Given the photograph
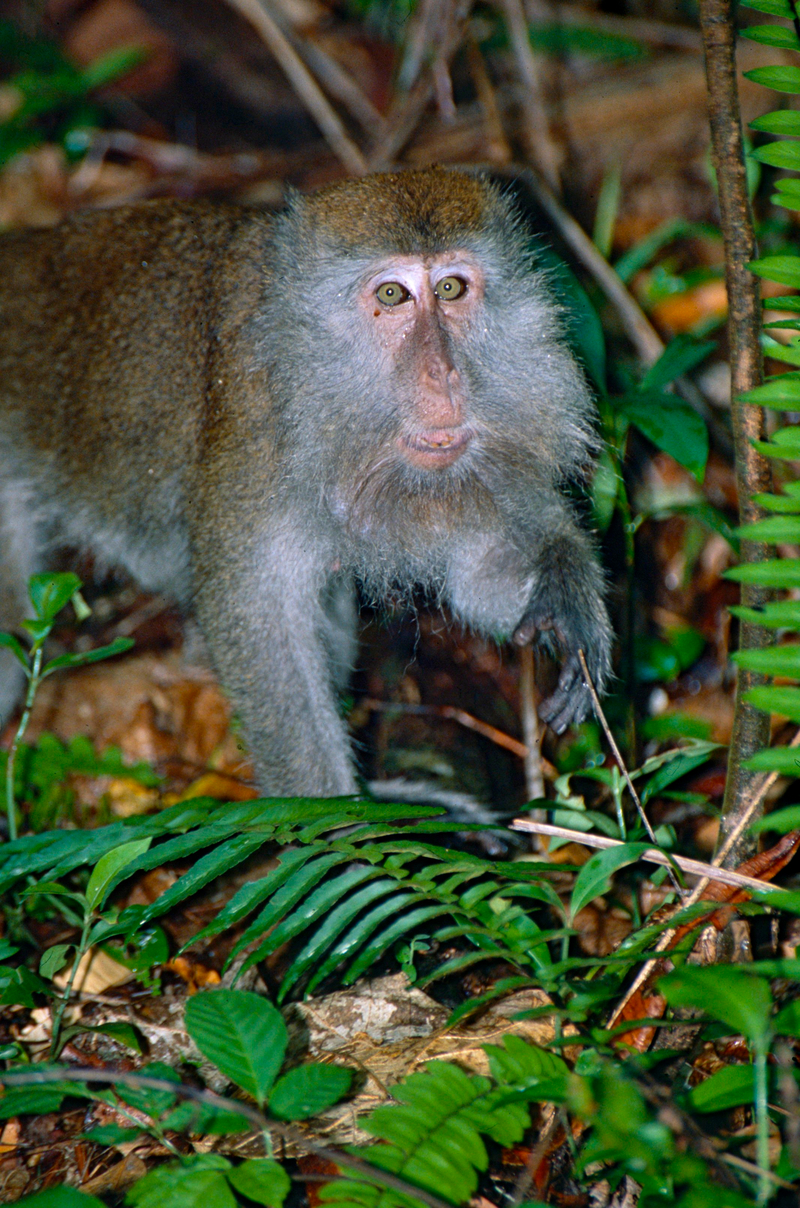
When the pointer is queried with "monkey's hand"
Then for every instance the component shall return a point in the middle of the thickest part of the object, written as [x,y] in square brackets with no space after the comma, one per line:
[578,621]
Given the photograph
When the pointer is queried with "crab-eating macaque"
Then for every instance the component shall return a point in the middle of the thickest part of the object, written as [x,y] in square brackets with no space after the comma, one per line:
[255,413]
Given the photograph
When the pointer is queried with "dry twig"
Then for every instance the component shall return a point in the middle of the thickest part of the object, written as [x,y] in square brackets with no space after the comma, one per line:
[538,141]
[695,868]
[303,82]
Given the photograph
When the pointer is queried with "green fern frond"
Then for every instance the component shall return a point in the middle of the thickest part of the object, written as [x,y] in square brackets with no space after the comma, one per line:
[433,1134]
[780,393]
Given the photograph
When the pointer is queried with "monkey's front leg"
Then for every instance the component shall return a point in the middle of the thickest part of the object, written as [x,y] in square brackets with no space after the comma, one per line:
[550,590]
[262,610]
[566,610]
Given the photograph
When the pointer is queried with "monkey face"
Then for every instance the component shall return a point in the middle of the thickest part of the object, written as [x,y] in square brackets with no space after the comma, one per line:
[415,309]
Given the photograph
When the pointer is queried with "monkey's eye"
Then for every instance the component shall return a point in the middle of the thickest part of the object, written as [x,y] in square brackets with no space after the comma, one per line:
[449,288]
[392,293]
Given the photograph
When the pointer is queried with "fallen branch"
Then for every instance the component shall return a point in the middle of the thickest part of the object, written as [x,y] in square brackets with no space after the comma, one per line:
[303,82]
[696,868]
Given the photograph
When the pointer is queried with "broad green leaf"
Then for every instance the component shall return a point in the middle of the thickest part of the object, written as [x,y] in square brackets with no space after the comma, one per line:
[111,1134]
[684,761]
[309,1089]
[787,1021]
[781,392]
[777,759]
[109,865]
[63,1196]
[593,878]
[774,572]
[772,529]
[775,660]
[783,269]
[49,593]
[728,1087]
[243,1034]
[18,986]
[671,424]
[775,8]
[772,35]
[82,658]
[725,992]
[17,649]
[780,79]
[776,351]
[149,1099]
[779,614]
[778,155]
[123,1032]
[780,121]
[777,503]
[784,701]
[197,1182]
[261,1180]
[189,1116]
[54,959]
[681,355]
[787,440]
[33,1100]
[788,819]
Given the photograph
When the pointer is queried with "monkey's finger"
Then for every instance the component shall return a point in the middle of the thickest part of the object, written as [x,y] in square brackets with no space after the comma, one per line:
[526,633]
[569,703]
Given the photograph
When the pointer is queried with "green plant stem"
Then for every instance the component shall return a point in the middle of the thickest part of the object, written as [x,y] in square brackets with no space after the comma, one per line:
[762,1124]
[58,1015]
[34,675]
[750,726]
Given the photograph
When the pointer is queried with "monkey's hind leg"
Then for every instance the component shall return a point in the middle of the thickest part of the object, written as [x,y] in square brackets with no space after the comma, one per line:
[19,549]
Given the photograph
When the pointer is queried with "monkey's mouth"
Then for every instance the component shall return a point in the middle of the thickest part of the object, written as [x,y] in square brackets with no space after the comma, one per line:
[435,447]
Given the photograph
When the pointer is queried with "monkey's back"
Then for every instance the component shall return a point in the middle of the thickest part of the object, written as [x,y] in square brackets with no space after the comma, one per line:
[106,322]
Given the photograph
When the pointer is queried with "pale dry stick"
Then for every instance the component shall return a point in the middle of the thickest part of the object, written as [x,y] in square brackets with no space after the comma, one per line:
[419,38]
[499,148]
[407,114]
[341,85]
[538,141]
[531,732]
[638,328]
[598,708]
[304,84]
[696,868]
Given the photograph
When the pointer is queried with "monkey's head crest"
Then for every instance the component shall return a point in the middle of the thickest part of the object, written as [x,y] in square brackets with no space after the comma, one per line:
[426,210]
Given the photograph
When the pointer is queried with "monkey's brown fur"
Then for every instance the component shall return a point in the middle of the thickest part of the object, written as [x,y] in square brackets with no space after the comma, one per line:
[238,410]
